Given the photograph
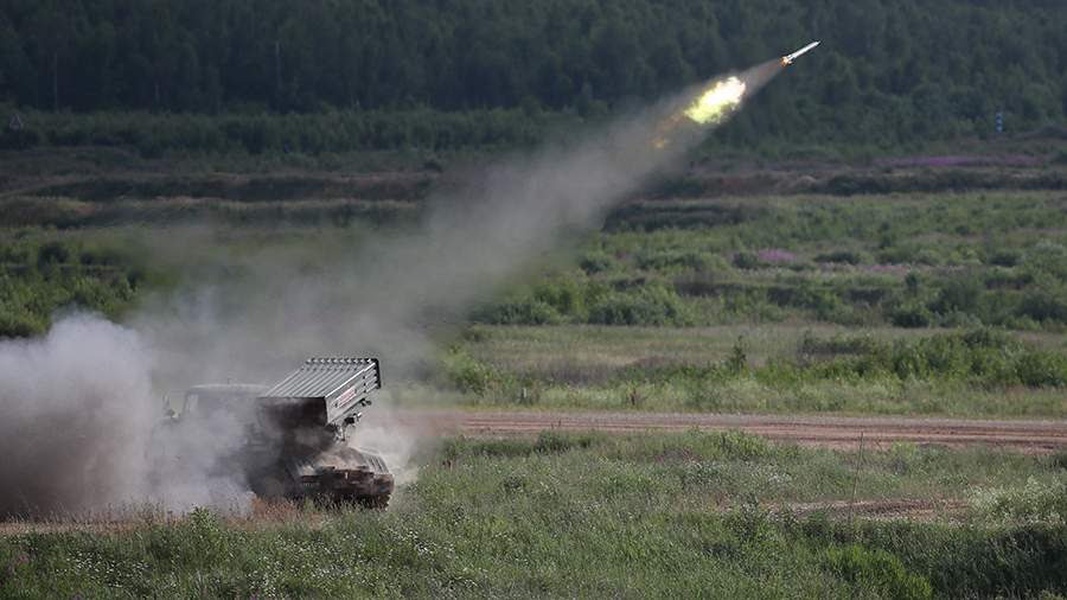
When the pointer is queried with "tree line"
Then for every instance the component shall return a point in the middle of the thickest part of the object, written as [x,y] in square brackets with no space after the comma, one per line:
[888,70]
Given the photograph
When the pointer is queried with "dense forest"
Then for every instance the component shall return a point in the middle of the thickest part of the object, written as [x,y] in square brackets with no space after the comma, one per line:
[887,71]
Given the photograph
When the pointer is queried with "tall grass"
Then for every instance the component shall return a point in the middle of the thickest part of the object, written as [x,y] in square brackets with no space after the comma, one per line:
[964,373]
[577,515]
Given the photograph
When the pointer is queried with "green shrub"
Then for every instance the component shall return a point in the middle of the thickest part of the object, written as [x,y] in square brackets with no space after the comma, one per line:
[529,311]
[1005,258]
[1042,369]
[747,261]
[52,253]
[40,276]
[468,375]
[911,315]
[596,262]
[565,295]
[846,257]
[1035,502]
[959,295]
[1043,306]
[1046,258]
[649,305]
[877,571]
[670,261]
[983,357]
[737,445]
[21,324]
[551,442]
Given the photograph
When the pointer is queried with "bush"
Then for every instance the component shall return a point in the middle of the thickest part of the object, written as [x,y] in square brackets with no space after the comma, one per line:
[52,253]
[982,357]
[846,257]
[958,295]
[1005,258]
[666,261]
[911,315]
[650,305]
[1042,369]
[565,296]
[529,311]
[1035,502]
[468,375]
[747,261]
[19,325]
[596,262]
[39,277]
[1043,306]
[877,571]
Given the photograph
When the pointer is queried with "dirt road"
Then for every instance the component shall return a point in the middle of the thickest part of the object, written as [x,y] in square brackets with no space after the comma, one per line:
[1035,437]
[829,431]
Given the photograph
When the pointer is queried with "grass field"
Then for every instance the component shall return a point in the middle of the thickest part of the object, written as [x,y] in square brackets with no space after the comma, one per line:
[722,514]
[762,368]
[789,303]
[896,247]
[906,260]
[886,291]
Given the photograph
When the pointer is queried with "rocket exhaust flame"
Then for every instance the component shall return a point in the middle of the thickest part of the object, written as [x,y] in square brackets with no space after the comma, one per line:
[717,102]
[711,105]
[719,99]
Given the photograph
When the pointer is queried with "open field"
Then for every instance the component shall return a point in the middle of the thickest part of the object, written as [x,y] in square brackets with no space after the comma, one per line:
[581,514]
[765,368]
[896,302]
[761,271]
[714,395]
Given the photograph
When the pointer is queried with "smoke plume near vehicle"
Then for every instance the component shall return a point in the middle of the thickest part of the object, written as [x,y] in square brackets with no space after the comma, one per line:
[74,418]
[77,406]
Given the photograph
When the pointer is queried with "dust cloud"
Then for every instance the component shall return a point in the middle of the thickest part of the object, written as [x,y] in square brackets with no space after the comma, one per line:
[79,406]
[77,411]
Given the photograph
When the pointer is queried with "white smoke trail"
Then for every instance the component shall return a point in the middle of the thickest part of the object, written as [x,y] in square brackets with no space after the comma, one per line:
[77,406]
[382,296]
